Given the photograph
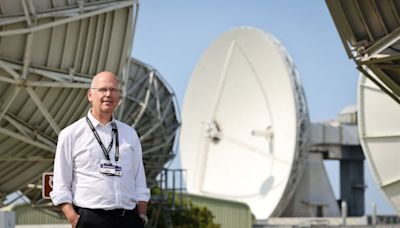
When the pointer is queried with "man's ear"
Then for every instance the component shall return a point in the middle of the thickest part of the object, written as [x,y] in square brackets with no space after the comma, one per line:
[89,95]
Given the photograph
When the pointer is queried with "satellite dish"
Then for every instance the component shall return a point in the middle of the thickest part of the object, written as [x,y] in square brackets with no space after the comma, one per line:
[244,121]
[150,106]
[48,55]
[380,138]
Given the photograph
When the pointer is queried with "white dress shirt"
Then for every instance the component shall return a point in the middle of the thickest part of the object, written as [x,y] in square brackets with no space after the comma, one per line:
[77,179]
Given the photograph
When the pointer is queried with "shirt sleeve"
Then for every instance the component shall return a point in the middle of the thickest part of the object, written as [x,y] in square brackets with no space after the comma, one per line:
[63,168]
[142,192]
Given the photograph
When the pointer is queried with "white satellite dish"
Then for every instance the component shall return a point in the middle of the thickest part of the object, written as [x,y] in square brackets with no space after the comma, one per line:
[243,123]
[379,130]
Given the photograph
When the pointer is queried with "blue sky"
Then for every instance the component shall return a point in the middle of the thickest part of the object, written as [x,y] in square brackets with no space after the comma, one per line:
[172,35]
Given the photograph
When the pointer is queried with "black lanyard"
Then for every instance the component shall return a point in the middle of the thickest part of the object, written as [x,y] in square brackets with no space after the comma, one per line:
[114,134]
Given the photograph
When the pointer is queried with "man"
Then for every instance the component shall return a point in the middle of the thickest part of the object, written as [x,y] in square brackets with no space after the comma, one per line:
[99,179]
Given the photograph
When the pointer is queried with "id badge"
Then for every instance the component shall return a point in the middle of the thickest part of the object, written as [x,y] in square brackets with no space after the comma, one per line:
[106,167]
[118,170]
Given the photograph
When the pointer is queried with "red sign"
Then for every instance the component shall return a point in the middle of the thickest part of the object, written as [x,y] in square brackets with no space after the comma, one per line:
[47,185]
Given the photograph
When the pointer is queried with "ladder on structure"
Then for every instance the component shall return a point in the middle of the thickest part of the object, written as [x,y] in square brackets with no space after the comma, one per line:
[168,199]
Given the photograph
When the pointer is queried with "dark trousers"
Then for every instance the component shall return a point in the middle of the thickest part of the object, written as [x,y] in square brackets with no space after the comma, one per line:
[97,218]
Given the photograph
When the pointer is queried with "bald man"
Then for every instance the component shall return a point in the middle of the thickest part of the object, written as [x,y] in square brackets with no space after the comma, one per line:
[99,179]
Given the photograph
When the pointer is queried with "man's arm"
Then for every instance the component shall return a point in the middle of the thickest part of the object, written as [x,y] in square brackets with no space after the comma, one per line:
[70,213]
[142,210]
[142,207]
[142,192]
[62,179]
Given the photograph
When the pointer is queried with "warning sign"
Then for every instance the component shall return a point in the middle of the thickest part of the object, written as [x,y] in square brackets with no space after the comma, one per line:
[47,183]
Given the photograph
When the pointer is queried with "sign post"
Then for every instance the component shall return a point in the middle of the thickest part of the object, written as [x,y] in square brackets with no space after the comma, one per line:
[47,184]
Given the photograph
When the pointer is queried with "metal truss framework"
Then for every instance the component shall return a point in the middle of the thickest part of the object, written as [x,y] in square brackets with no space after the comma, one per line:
[302,134]
[49,51]
[38,96]
[151,107]
[370,32]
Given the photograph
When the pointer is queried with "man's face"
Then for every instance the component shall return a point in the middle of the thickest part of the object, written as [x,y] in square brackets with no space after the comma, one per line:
[104,94]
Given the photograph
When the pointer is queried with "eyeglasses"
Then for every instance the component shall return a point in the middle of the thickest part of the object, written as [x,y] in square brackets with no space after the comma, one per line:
[104,90]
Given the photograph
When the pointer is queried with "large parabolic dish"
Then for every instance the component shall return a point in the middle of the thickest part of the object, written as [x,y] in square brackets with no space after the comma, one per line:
[379,130]
[49,51]
[150,106]
[244,123]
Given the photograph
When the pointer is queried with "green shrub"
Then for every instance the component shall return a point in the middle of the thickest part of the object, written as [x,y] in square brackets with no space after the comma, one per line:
[183,214]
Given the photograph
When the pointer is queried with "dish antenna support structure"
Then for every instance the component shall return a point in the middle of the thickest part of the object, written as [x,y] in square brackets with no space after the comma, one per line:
[370,35]
[49,52]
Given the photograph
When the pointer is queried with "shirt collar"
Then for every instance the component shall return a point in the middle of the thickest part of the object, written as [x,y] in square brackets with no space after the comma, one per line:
[95,122]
